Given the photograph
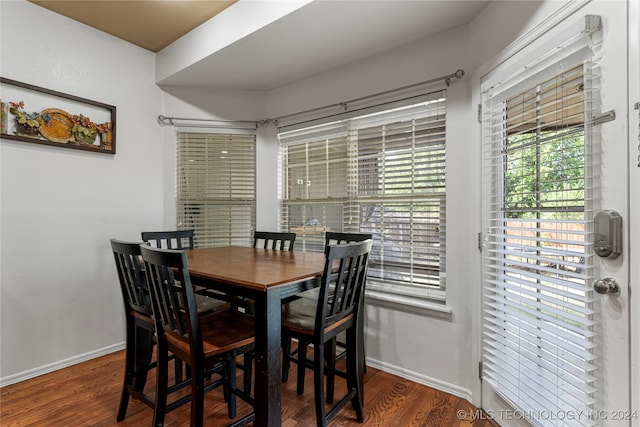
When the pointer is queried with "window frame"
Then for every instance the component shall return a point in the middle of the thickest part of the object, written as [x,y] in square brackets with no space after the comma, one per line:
[417,298]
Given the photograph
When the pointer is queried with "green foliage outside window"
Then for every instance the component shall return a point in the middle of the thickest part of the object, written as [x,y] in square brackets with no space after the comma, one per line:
[544,172]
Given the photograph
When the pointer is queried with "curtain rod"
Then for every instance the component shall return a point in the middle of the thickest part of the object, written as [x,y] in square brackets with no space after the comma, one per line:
[164,120]
[447,79]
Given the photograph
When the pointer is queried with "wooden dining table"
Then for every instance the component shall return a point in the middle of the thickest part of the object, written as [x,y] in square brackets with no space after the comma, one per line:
[266,276]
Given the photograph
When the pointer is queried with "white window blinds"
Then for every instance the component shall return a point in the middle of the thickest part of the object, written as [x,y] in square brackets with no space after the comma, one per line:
[539,336]
[382,174]
[215,187]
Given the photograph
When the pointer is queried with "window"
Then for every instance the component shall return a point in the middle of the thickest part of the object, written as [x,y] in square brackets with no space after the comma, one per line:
[216,187]
[383,174]
[539,338]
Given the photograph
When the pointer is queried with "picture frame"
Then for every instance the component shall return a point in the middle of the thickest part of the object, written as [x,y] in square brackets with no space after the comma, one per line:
[43,116]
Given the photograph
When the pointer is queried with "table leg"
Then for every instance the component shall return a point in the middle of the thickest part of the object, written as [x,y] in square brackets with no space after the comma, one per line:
[268,386]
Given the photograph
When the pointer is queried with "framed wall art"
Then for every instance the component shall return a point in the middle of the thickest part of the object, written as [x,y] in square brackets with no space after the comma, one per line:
[43,116]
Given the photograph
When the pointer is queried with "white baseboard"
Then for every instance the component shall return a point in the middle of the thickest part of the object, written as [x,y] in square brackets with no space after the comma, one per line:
[41,370]
[453,389]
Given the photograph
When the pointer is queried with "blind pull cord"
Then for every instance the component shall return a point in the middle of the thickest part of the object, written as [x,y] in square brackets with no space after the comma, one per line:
[637,107]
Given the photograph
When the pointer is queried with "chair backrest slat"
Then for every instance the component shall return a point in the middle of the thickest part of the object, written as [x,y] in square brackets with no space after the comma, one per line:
[274,240]
[174,239]
[344,277]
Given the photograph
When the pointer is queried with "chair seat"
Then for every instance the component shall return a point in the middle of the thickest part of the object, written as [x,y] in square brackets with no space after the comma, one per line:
[309,293]
[208,305]
[299,316]
[222,332]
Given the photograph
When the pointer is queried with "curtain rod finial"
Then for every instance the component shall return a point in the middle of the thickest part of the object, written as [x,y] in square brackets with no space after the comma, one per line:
[164,120]
[459,74]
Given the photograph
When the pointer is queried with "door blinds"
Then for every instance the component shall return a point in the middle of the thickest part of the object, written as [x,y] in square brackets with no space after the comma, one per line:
[539,328]
[215,187]
[382,174]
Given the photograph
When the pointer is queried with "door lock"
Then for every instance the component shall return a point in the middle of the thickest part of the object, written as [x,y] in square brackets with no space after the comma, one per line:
[606,286]
[608,234]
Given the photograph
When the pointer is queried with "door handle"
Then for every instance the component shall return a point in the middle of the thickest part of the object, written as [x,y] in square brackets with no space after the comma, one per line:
[606,286]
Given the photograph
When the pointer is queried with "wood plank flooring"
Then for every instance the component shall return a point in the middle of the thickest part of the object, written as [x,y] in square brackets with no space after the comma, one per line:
[88,394]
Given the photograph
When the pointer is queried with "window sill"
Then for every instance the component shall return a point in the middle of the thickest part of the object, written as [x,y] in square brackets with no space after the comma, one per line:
[433,306]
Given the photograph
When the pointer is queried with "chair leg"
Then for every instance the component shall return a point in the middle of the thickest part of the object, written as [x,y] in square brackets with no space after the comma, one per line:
[178,370]
[197,396]
[230,373]
[330,353]
[302,363]
[226,391]
[355,370]
[286,357]
[248,369]
[162,381]
[143,352]
[129,366]
[318,385]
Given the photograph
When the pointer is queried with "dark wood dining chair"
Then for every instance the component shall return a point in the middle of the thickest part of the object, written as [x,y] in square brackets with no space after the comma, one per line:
[207,344]
[270,240]
[335,237]
[138,322]
[139,326]
[170,239]
[207,301]
[274,240]
[331,237]
[317,321]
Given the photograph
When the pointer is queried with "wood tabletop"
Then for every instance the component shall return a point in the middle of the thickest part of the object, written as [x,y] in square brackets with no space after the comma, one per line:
[254,268]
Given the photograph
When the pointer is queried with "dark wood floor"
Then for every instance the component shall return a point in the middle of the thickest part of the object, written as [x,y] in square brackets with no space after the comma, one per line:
[88,394]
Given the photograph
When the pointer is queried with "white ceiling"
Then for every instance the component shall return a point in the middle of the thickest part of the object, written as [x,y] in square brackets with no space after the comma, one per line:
[320,36]
[316,37]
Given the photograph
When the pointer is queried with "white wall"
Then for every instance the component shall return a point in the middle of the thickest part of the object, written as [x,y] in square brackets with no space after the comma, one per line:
[428,349]
[60,301]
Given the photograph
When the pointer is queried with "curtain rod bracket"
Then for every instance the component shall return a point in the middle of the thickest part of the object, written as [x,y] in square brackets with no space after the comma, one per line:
[165,121]
[599,119]
[458,75]
[266,121]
